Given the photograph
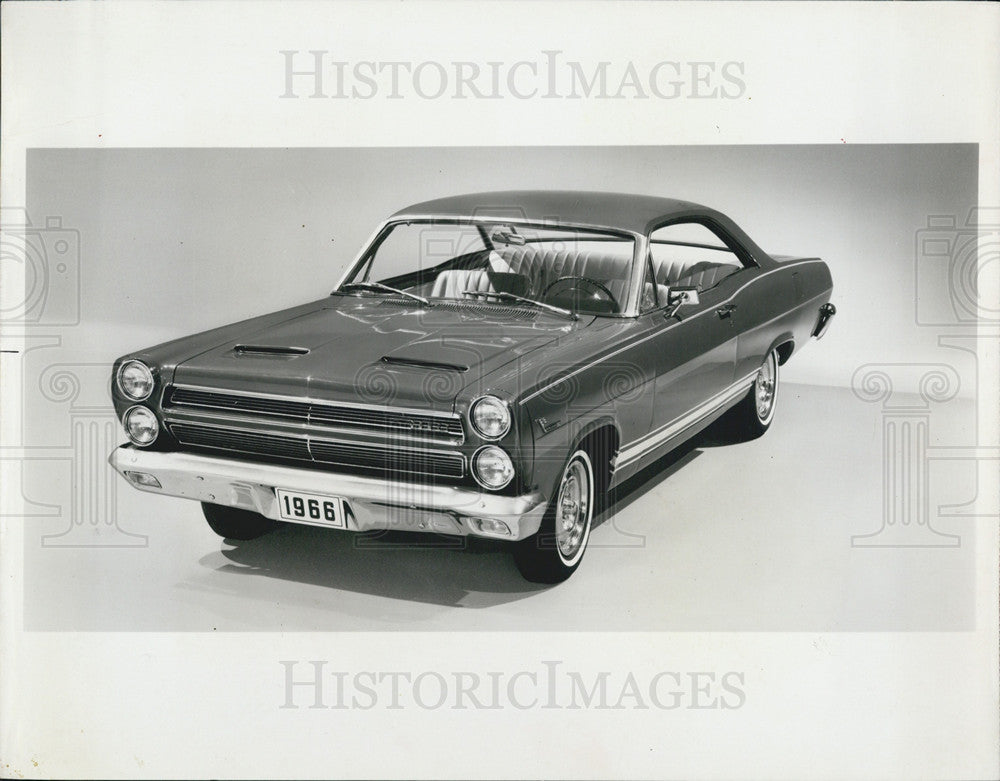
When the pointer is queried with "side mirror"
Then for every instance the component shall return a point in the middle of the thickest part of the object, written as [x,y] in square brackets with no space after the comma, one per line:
[678,297]
[684,295]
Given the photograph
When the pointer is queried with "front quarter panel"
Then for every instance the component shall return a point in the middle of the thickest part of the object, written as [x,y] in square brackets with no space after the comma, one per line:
[601,376]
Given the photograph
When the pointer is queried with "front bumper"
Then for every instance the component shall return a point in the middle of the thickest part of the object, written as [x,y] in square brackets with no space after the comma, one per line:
[371,503]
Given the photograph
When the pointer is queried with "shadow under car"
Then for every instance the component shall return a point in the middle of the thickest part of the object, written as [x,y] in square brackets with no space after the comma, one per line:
[429,568]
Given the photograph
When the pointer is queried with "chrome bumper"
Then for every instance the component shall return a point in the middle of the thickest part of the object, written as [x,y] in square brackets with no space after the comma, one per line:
[371,503]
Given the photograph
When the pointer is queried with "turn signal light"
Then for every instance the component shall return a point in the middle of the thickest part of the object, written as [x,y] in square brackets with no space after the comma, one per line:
[143,478]
[492,526]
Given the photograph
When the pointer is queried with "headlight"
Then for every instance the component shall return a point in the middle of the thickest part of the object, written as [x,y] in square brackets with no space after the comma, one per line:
[135,380]
[490,417]
[492,467]
[141,425]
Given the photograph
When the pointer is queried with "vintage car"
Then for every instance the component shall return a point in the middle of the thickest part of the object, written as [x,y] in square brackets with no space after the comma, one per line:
[490,364]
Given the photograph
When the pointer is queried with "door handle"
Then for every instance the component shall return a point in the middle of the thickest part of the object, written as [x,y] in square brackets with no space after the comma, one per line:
[725,310]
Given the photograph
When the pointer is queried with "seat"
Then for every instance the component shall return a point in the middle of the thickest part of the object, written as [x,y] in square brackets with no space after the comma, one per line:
[705,275]
[544,266]
[453,284]
[668,270]
[673,268]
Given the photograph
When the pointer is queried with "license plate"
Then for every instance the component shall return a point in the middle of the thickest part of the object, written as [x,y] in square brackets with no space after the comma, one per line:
[316,509]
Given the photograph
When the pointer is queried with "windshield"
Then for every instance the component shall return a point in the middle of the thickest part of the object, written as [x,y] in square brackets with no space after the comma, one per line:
[582,271]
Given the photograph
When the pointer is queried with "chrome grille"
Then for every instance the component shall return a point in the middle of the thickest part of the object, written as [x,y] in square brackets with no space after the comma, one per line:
[242,441]
[404,462]
[444,428]
[357,456]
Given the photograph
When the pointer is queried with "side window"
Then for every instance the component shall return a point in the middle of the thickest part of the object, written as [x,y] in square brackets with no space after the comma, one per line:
[691,254]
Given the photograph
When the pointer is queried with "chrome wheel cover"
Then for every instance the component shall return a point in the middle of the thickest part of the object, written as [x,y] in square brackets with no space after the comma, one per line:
[572,511]
[765,388]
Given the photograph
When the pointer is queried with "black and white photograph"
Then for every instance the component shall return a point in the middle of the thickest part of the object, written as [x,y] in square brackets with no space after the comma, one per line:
[550,390]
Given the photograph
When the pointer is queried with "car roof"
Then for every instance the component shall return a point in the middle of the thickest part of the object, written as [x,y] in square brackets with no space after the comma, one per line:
[625,211]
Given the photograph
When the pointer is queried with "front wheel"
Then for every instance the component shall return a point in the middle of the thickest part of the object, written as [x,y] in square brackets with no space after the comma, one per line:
[555,552]
[235,524]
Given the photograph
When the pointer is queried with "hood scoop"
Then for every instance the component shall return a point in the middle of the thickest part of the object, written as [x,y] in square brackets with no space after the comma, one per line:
[269,351]
[398,360]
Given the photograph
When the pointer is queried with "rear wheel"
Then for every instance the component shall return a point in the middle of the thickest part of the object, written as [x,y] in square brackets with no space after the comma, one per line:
[555,552]
[755,413]
[235,524]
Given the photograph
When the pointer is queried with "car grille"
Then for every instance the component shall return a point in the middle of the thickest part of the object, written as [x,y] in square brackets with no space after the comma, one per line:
[242,441]
[443,428]
[355,456]
[352,438]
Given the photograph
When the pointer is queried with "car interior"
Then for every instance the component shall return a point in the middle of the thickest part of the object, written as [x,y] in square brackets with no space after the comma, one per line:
[691,254]
[592,276]
[588,274]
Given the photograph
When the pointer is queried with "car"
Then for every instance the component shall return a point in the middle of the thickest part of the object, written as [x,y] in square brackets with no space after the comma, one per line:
[490,364]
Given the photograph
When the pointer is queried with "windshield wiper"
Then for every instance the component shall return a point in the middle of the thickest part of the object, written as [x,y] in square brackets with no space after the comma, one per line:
[385,289]
[558,310]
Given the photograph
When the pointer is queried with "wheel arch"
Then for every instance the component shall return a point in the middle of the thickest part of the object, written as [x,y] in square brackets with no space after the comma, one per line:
[600,439]
[784,345]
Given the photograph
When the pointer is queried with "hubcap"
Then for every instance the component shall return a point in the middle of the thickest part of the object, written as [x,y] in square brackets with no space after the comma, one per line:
[764,387]
[573,506]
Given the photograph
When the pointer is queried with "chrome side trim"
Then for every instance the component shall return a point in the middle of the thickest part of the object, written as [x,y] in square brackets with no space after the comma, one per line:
[642,446]
[659,332]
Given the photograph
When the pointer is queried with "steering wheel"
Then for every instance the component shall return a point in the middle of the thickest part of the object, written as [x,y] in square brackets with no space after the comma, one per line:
[588,286]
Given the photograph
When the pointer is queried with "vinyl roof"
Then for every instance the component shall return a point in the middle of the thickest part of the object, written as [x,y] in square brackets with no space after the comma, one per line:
[633,213]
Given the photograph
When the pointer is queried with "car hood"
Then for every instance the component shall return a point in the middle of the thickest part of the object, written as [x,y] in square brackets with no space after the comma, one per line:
[374,350]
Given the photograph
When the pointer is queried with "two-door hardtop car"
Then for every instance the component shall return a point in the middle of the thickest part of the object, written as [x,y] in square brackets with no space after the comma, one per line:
[490,364]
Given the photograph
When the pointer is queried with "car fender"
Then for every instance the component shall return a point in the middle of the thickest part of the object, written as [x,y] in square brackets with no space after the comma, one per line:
[783,338]
[554,447]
